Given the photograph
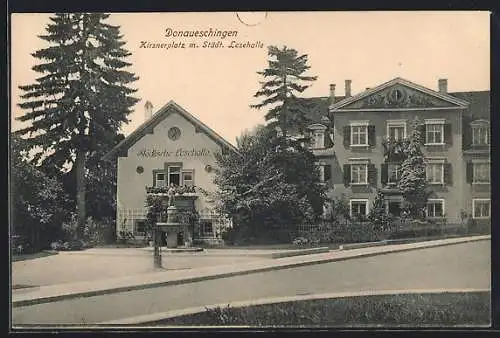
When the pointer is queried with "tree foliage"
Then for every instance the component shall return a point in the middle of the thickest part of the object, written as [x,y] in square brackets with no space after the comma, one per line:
[271,184]
[378,217]
[412,183]
[79,102]
[284,78]
[36,199]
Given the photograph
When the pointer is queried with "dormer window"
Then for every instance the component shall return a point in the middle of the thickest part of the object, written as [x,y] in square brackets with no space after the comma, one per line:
[319,139]
[480,133]
[318,136]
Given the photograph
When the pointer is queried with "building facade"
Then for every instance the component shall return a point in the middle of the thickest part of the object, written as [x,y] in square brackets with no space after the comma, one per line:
[171,148]
[456,137]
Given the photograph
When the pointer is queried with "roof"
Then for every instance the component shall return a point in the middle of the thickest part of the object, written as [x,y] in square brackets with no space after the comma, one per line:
[398,80]
[317,108]
[479,102]
[159,116]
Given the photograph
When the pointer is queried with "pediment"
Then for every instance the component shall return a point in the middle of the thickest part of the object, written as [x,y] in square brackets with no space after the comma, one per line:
[399,94]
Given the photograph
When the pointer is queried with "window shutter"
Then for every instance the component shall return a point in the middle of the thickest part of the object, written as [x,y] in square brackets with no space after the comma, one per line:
[384,172]
[347,136]
[423,133]
[469,172]
[371,136]
[347,174]
[328,172]
[466,133]
[372,174]
[448,179]
[448,135]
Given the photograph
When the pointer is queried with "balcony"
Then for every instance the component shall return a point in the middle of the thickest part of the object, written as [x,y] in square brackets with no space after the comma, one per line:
[185,191]
[394,150]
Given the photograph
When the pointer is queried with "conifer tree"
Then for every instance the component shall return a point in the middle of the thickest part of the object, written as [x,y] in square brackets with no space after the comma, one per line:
[284,78]
[412,183]
[81,99]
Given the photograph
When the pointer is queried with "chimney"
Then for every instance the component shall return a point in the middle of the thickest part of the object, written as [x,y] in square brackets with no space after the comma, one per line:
[148,110]
[347,88]
[443,85]
[332,93]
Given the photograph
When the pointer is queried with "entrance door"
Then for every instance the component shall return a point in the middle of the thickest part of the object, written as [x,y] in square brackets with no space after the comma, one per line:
[394,208]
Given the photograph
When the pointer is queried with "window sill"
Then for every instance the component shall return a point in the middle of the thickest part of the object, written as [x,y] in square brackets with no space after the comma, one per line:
[359,145]
[436,183]
[481,217]
[359,184]
[434,144]
[481,183]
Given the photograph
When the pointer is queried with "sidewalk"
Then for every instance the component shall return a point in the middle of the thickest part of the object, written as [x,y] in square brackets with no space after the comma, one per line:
[163,278]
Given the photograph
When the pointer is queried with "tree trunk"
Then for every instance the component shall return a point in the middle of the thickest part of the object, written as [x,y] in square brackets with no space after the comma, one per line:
[80,191]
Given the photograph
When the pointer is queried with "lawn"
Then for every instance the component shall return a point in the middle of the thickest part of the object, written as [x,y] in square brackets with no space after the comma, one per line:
[403,310]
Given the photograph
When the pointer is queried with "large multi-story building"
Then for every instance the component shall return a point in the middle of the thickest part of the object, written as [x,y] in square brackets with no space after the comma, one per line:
[358,162]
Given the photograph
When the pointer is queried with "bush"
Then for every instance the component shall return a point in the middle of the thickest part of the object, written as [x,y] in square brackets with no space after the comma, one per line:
[98,232]
[20,245]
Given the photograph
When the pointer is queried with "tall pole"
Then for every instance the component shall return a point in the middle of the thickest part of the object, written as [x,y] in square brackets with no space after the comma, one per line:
[157,244]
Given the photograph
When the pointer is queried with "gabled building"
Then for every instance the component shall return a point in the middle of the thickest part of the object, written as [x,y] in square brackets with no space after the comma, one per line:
[456,147]
[351,136]
[171,147]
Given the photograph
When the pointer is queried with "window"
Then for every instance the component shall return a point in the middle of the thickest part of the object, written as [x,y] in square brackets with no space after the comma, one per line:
[318,139]
[160,180]
[321,170]
[435,208]
[188,178]
[481,172]
[393,173]
[359,134]
[481,208]
[358,208]
[435,173]
[206,227]
[396,130]
[359,173]
[140,226]
[174,175]
[480,135]
[434,133]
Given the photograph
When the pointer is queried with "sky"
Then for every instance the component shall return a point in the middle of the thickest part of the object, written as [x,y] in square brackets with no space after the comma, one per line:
[217,84]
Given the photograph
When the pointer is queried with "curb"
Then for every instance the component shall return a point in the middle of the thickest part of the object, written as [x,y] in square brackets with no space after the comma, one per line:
[48,299]
[300,252]
[154,317]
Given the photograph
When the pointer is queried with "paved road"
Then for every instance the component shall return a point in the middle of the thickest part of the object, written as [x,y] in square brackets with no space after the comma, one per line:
[457,266]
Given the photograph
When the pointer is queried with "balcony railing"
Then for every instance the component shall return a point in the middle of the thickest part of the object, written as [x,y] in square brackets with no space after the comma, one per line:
[176,190]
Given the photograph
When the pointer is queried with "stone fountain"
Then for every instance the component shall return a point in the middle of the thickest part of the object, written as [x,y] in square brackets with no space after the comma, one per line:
[173,227]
